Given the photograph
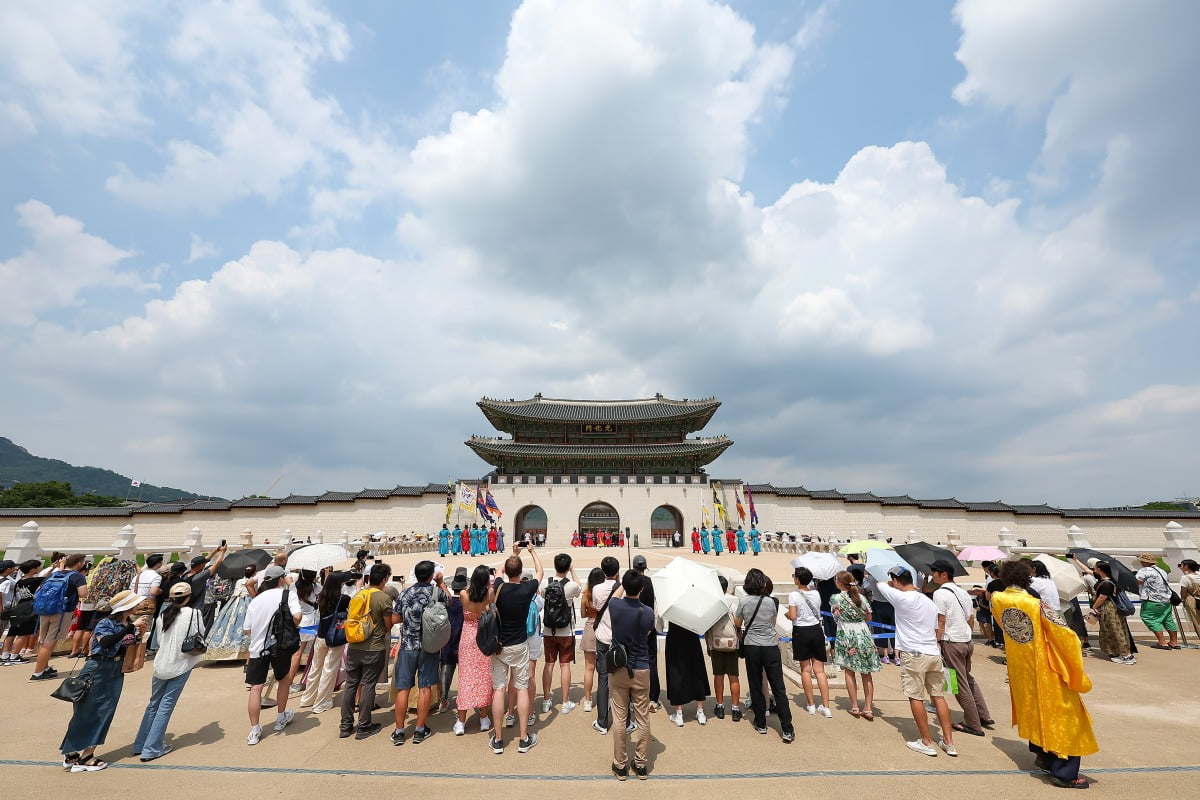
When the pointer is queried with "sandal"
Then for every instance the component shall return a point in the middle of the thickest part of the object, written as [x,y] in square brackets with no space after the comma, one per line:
[868,716]
[988,723]
[856,712]
[959,727]
[1078,783]
[89,764]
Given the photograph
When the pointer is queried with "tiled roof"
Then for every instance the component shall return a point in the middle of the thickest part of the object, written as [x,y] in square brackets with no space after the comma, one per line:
[762,488]
[299,500]
[825,494]
[898,500]
[860,497]
[987,506]
[948,502]
[337,497]
[791,491]
[373,494]
[208,505]
[1128,513]
[257,502]
[159,508]
[410,491]
[495,446]
[1042,509]
[101,511]
[653,408]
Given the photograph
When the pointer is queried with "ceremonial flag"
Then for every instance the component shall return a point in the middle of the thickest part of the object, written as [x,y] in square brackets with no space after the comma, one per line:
[466,497]
[449,499]
[135,483]
[704,511]
[750,502]
[719,506]
[481,503]
[741,509]
[491,505]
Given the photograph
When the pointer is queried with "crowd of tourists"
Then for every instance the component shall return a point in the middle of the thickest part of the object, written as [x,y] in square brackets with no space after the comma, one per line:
[471,644]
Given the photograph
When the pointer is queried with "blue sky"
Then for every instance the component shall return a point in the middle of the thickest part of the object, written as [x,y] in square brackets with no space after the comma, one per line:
[937,248]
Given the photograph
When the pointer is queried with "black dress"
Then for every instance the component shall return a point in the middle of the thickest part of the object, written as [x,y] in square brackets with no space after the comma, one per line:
[687,677]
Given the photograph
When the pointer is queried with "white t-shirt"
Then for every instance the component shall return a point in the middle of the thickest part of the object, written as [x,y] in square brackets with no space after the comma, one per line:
[145,582]
[804,611]
[572,590]
[916,620]
[954,604]
[603,625]
[170,661]
[260,612]
[1048,591]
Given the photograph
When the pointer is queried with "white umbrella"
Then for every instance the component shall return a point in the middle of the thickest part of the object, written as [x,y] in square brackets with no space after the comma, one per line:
[316,557]
[688,594]
[1064,575]
[823,566]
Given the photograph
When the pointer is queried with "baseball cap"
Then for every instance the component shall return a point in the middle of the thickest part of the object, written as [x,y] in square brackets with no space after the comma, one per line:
[181,589]
[898,571]
[639,563]
[273,571]
[198,560]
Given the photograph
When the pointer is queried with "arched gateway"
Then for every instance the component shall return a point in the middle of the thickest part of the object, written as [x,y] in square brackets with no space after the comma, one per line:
[530,519]
[598,517]
[664,522]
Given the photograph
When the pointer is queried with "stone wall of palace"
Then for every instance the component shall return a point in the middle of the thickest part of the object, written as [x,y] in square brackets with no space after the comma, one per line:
[401,516]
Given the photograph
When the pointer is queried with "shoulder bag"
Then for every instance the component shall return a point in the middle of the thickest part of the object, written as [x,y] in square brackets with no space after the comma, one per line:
[1175,598]
[617,656]
[194,643]
[741,649]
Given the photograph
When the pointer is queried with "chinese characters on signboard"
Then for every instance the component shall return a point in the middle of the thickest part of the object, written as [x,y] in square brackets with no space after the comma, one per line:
[598,428]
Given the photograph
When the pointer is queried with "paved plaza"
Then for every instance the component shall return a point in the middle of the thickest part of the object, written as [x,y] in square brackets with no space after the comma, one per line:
[1145,720]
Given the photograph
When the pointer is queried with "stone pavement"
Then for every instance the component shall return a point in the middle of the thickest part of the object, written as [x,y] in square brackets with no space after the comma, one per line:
[1145,718]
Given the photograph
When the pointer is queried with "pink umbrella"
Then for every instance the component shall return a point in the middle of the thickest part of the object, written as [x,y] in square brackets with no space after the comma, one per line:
[981,552]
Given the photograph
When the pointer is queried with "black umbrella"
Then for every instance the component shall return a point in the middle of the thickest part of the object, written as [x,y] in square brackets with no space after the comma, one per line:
[234,565]
[922,555]
[1122,574]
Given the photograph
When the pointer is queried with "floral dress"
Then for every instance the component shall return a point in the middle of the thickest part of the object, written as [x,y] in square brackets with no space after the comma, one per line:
[474,668]
[853,649]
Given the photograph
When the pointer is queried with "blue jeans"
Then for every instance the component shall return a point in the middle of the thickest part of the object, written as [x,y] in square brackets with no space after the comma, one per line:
[164,694]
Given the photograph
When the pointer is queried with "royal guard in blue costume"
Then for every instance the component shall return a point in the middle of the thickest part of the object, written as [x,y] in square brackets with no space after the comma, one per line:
[443,542]
[456,540]
[741,541]
[704,541]
[755,541]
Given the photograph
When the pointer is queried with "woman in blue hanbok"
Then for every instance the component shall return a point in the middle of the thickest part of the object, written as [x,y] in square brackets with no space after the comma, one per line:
[741,541]
[443,542]
[755,541]
[227,641]
[704,541]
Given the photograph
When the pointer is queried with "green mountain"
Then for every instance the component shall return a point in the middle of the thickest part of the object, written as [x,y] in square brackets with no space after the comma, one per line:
[19,465]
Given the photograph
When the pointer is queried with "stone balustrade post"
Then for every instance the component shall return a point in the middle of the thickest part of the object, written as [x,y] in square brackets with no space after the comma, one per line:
[912,537]
[953,540]
[25,544]
[344,540]
[1076,538]
[319,536]
[1179,545]
[247,539]
[126,544]
[1008,541]
[285,541]
[193,543]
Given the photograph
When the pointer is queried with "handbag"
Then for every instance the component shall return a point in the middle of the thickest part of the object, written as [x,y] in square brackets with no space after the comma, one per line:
[617,656]
[73,689]
[741,648]
[193,642]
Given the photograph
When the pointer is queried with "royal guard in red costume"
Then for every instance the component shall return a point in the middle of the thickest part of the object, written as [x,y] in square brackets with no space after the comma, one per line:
[731,540]
[606,538]
[695,540]
[466,540]
[620,538]
[574,538]
[492,539]
[591,538]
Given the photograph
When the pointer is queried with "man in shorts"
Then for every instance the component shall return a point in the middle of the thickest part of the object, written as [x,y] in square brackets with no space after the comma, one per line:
[921,675]
[413,665]
[512,662]
[52,627]
[259,615]
[559,643]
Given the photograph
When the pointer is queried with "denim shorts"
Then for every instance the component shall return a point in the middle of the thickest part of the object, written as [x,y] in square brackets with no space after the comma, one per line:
[416,666]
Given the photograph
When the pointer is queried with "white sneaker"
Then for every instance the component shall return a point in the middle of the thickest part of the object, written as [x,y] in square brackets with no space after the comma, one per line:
[485,724]
[567,707]
[510,720]
[587,704]
[459,728]
[703,720]
[948,748]
[547,705]
[284,719]
[812,710]
[825,712]
[920,747]
[254,735]
[677,718]
[532,719]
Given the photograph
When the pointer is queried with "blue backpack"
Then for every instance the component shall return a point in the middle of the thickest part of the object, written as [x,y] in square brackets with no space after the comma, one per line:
[533,623]
[51,597]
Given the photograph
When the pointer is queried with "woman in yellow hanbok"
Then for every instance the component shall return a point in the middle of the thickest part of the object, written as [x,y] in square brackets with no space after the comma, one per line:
[1046,678]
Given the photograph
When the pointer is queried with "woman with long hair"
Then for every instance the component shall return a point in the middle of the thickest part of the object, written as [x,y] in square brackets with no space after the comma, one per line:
[755,617]
[228,641]
[853,649]
[307,590]
[587,610]
[92,716]
[808,640]
[474,668]
[172,668]
[326,660]
[1114,630]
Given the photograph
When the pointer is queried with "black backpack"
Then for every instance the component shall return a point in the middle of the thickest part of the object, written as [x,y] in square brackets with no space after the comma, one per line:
[487,637]
[558,612]
[283,638]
